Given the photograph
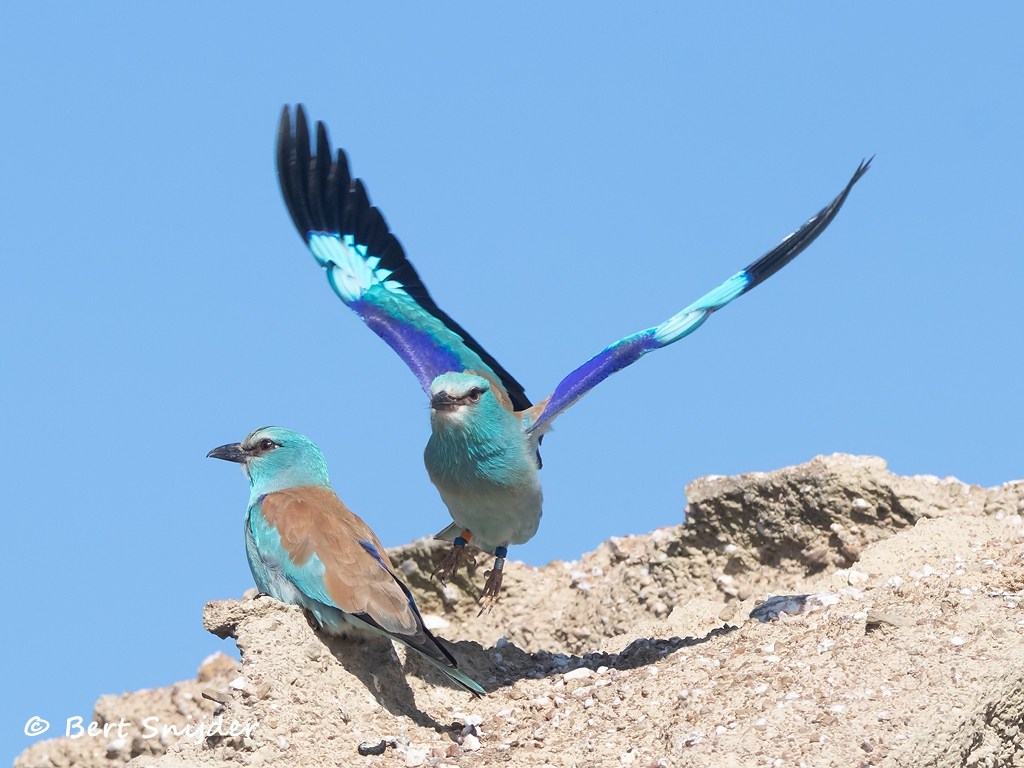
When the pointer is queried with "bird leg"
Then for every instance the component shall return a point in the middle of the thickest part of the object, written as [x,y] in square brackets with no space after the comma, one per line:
[456,557]
[492,588]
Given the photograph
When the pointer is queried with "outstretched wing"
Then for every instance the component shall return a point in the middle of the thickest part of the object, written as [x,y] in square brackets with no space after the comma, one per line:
[365,263]
[632,348]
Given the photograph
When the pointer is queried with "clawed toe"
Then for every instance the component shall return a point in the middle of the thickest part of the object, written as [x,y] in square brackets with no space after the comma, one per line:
[492,588]
[455,558]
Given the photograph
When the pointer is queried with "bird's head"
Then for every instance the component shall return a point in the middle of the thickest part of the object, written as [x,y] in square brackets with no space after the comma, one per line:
[274,458]
[457,397]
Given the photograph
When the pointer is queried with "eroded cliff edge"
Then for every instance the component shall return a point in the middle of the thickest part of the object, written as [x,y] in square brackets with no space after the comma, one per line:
[641,652]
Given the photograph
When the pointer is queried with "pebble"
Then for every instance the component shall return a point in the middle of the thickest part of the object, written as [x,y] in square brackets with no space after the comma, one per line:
[877,617]
[430,621]
[471,743]
[577,674]
[774,607]
[856,577]
[415,757]
[365,748]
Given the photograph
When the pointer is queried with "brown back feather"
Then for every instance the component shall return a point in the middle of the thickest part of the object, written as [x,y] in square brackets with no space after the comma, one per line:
[313,520]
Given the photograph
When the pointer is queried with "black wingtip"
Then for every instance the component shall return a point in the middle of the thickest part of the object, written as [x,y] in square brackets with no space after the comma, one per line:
[793,245]
[290,164]
[861,170]
[321,196]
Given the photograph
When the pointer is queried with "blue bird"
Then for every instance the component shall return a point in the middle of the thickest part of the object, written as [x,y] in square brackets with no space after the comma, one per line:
[306,548]
[483,453]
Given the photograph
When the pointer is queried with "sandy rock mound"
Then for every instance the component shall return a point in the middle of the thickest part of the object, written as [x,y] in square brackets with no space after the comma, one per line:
[745,536]
[905,648]
[174,708]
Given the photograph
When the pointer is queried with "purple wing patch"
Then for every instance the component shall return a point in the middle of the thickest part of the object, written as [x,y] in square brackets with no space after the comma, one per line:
[632,348]
[595,370]
[416,346]
[372,550]
[367,266]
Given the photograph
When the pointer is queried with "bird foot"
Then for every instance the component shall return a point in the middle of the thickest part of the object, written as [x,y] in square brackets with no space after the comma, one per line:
[455,558]
[492,588]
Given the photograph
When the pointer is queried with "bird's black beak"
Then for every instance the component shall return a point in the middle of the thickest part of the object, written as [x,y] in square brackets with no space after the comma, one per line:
[230,452]
[442,401]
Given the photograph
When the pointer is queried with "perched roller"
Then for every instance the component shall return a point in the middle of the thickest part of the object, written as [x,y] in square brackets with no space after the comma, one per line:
[485,433]
[306,548]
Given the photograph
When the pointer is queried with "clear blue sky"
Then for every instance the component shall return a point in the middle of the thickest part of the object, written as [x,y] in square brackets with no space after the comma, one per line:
[561,176]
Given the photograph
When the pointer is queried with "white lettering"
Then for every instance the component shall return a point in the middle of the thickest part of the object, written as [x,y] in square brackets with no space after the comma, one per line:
[169,730]
[149,727]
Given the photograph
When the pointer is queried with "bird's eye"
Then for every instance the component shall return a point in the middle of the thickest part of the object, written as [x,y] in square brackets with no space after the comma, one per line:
[474,395]
[266,444]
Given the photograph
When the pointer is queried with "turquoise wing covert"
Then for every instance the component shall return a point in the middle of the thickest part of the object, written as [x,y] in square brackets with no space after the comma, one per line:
[627,351]
[366,265]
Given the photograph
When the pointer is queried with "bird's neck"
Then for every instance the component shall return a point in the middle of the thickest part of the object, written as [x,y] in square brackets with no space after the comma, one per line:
[261,484]
[492,450]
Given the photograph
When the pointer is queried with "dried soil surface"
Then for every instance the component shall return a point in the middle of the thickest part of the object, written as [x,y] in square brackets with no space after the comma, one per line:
[903,646]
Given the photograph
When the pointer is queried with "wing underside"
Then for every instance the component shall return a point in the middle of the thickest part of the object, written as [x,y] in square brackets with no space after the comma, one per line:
[630,349]
[366,265]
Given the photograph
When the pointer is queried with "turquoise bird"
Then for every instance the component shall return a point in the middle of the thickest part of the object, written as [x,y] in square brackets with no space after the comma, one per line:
[306,548]
[483,453]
